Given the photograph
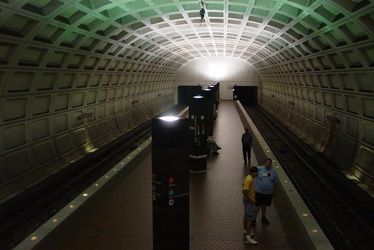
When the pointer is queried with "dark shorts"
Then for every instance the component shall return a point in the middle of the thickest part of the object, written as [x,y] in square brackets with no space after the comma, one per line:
[263,199]
[249,210]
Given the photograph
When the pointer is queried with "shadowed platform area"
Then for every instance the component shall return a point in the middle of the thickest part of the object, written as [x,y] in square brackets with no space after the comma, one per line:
[122,218]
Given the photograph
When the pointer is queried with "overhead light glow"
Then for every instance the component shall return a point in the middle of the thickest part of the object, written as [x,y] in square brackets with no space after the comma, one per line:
[169,118]
[217,71]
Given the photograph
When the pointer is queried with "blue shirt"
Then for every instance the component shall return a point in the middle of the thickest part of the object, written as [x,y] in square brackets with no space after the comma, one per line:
[265,180]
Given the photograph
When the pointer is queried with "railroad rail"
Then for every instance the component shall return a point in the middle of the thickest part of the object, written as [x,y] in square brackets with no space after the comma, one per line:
[23,215]
[344,211]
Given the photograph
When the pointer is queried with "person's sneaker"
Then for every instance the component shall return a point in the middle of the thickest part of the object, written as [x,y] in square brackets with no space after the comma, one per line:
[244,235]
[265,221]
[250,241]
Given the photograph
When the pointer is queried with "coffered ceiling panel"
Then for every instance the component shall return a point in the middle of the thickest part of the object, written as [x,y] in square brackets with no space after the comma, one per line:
[173,32]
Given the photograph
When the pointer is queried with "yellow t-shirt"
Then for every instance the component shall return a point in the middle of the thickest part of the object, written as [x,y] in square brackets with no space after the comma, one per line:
[249,184]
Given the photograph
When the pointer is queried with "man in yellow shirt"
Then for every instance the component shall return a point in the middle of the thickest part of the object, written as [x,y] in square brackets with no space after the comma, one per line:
[249,204]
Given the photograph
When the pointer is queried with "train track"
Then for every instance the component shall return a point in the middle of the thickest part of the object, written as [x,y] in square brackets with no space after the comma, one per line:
[24,218]
[20,217]
[343,210]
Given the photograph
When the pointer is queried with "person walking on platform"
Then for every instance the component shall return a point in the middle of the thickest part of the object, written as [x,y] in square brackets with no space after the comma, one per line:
[246,145]
[249,205]
[266,183]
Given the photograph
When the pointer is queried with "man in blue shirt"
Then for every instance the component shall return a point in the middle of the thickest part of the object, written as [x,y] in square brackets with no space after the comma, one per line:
[266,181]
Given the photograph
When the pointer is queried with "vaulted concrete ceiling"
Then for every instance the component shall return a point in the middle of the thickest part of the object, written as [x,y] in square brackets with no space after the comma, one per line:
[97,34]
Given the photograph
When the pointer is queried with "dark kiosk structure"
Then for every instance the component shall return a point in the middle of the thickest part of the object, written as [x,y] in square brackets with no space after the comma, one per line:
[170,182]
[198,114]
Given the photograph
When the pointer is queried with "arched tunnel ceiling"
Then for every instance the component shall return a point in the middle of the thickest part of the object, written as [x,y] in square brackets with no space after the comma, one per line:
[171,32]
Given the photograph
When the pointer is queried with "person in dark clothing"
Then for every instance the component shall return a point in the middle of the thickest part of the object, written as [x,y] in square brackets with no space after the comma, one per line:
[212,145]
[246,145]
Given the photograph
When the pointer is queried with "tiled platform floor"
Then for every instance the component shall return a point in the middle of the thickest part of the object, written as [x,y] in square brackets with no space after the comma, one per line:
[123,219]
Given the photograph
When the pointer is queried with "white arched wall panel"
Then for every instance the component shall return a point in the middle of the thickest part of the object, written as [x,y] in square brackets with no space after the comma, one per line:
[40,112]
[336,118]
[227,71]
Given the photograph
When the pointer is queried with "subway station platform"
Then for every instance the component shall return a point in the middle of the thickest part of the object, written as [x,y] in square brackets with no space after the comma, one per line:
[121,216]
